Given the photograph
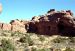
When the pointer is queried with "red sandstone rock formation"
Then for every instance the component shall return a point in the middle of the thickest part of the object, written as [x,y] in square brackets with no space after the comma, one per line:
[19,26]
[54,22]
[6,27]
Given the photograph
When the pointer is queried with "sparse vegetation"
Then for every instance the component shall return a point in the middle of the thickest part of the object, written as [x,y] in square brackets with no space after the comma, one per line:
[6,45]
[16,33]
[68,49]
[33,49]
[30,41]
[26,39]
[59,40]
[72,40]
[44,49]
[41,38]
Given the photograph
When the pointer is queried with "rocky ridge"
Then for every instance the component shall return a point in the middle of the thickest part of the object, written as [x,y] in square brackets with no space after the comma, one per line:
[54,22]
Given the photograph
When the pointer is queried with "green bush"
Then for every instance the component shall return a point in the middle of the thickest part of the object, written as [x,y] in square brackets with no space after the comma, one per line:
[6,45]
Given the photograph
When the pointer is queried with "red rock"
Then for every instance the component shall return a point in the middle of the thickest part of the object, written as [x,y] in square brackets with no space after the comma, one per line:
[54,23]
[19,28]
[6,27]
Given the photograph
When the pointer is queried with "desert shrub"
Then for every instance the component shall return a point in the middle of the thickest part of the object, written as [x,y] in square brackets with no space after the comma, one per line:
[16,33]
[30,34]
[6,45]
[57,49]
[1,49]
[4,34]
[26,39]
[59,40]
[33,49]
[72,40]
[8,31]
[68,49]
[27,49]
[41,38]
[44,49]
[23,39]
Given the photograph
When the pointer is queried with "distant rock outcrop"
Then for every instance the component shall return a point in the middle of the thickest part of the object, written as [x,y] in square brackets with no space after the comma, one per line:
[52,23]
[17,25]
[6,26]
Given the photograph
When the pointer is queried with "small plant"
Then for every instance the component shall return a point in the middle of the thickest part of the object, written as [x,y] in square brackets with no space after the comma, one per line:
[41,38]
[72,40]
[58,40]
[44,49]
[57,49]
[4,34]
[16,33]
[68,49]
[33,49]
[6,45]
[1,49]
[26,39]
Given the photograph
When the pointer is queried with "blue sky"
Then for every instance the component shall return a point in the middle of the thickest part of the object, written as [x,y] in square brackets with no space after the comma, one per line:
[26,9]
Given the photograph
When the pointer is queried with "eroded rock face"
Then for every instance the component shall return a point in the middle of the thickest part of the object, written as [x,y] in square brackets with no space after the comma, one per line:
[55,22]
[6,27]
[16,25]
[19,26]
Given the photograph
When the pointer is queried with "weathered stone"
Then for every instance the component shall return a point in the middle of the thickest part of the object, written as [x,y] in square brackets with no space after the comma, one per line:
[24,22]
[15,22]
[54,23]
[19,28]
[36,19]
[32,27]
[6,27]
